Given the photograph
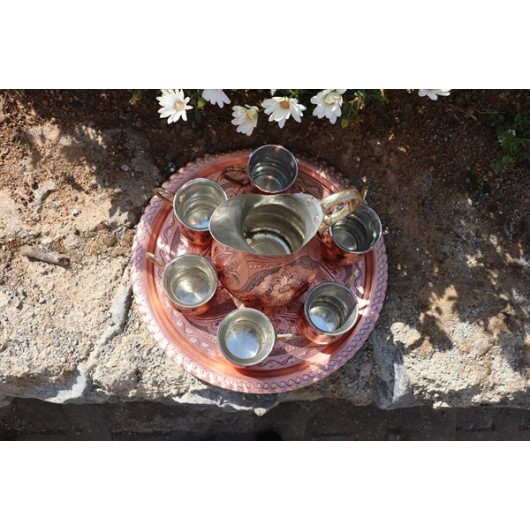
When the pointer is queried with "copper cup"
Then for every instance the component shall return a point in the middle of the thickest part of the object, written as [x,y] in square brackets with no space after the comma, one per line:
[246,337]
[349,239]
[329,312]
[271,169]
[193,205]
[189,281]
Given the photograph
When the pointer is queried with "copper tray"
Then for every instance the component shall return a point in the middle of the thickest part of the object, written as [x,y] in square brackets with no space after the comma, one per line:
[191,342]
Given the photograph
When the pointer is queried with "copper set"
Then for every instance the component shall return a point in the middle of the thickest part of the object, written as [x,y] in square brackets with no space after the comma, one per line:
[266,247]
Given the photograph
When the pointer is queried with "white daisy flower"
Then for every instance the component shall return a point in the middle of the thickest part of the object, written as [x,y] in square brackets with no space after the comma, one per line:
[328,103]
[281,109]
[174,105]
[433,93]
[246,118]
[215,97]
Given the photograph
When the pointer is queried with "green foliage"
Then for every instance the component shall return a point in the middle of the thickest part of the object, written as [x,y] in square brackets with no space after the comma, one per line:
[513,133]
[356,100]
[137,96]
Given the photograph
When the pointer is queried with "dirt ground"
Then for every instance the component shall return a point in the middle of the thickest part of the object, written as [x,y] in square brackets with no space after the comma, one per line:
[450,139]
[436,136]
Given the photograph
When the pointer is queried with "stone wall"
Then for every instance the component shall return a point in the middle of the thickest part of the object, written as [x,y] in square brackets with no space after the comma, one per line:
[454,330]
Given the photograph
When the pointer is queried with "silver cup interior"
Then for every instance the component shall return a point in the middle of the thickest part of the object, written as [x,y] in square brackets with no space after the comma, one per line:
[359,232]
[196,201]
[245,337]
[190,281]
[274,229]
[272,168]
[331,308]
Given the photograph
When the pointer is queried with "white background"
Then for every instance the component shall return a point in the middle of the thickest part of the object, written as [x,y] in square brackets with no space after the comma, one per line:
[332,485]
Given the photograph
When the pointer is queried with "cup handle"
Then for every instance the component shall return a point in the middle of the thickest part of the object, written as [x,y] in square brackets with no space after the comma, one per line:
[157,261]
[288,336]
[363,305]
[233,180]
[353,276]
[165,195]
[351,198]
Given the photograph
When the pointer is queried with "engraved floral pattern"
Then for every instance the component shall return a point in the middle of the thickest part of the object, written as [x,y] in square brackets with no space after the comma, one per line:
[283,283]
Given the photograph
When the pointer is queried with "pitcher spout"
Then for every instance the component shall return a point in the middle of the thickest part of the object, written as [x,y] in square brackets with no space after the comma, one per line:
[267,225]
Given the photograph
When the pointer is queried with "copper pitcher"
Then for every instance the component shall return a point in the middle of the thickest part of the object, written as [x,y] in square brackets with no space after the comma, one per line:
[266,248]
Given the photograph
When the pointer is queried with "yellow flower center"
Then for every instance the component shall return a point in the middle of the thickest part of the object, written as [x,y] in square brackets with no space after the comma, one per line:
[285,104]
[180,105]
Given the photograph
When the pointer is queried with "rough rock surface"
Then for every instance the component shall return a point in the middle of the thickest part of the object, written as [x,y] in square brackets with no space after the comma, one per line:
[455,327]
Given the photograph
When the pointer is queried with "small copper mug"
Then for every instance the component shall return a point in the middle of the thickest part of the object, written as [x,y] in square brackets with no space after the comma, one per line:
[189,281]
[329,312]
[349,239]
[271,169]
[246,337]
[193,205]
